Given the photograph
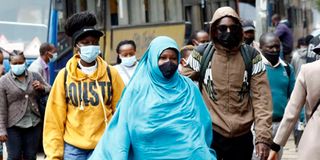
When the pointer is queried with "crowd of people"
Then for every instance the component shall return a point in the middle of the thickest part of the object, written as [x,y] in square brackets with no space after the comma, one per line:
[223,96]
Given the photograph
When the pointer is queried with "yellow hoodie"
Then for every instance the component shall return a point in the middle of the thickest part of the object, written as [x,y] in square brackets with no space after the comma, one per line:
[74,112]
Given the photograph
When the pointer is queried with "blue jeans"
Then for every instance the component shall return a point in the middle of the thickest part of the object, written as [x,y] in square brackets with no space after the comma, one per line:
[72,152]
[23,142]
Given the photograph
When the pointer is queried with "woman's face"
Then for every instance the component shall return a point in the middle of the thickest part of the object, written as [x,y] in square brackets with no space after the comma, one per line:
[127,50]
[18,59]
[168,55]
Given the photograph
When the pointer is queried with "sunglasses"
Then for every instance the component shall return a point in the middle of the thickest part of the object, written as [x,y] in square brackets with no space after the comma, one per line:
[232,28]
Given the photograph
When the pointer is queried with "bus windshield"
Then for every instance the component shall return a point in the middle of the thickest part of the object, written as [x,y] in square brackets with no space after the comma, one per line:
[24,25]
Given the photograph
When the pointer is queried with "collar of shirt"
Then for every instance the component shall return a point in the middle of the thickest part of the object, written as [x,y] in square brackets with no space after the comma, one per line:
[43,63]
[266,62]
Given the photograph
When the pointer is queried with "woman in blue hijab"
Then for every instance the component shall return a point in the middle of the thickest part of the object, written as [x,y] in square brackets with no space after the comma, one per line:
[161,114]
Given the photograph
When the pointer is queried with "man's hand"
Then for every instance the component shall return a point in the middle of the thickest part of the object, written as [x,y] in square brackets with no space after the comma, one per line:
[3,138]
[262,151]
[273,155]
[37,85]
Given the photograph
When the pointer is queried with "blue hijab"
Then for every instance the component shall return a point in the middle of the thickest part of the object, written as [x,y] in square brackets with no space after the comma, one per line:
[158,118]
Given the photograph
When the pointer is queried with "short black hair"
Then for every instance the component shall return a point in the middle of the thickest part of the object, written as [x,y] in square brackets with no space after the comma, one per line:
[276,17]
[264,37]
[124,42]
[16,53]
[308,39]
[301,42]
[194,36]
[44,48]
[78,21]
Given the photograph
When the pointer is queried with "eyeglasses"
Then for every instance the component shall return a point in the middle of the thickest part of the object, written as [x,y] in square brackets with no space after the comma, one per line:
[224,28]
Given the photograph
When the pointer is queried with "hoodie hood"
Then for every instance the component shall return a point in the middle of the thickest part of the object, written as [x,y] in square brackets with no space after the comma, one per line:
[77,75]
[224,12]
[218,15]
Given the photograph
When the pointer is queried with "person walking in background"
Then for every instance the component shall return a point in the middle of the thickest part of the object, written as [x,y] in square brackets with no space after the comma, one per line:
[127,60]
[306,92]
[183,68]
[285,35]
[20,122]
[48,53]
[299,56]
[83,97]
[163,122]
[280,75]
[249,33]
[235,88]
[198,38]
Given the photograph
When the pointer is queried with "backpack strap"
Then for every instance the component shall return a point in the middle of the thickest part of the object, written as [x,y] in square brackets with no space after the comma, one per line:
[288,71]
[65,75]
[207,53]
[315,108]
[287,67]
[110,79]
[247,54]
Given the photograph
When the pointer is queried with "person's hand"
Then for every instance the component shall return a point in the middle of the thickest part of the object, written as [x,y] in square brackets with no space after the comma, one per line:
[262,151]
[3,138]
[273,155]
[37,85]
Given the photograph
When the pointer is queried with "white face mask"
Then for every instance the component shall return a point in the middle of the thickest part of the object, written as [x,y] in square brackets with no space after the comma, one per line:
[54,57]
[128,61]
[89,53]
[18,69]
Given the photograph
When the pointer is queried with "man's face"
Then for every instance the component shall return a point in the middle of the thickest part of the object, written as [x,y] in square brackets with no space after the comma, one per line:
[248,36]
[228,33]
[201,38]
[270,46]
[52,51]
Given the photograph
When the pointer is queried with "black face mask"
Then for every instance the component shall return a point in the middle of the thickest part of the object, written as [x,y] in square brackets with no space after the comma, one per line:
[168,69]
[273,58]
[248,41]
[228,39]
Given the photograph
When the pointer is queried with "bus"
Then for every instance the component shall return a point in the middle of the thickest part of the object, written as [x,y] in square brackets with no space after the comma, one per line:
[24,25]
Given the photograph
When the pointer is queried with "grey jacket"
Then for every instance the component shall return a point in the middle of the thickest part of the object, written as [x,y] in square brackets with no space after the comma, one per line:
[14,101]
[38,67]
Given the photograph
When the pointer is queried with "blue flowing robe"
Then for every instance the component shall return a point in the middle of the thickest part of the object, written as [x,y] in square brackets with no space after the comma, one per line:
[158,118]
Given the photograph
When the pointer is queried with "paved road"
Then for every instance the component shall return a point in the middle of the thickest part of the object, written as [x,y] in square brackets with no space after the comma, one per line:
[289,152]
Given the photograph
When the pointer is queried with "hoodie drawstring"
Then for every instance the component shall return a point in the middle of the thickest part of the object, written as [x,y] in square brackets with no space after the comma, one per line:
[102,101]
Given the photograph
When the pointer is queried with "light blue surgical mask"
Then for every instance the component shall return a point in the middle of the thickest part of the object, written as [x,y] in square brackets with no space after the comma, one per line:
[89,53]
[18,69]
[54,57]
[128,61]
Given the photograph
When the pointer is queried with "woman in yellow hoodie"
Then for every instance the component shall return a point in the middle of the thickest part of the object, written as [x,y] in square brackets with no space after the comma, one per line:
[83,97]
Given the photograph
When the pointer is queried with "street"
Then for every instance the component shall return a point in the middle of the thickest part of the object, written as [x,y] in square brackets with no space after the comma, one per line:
[289,152]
